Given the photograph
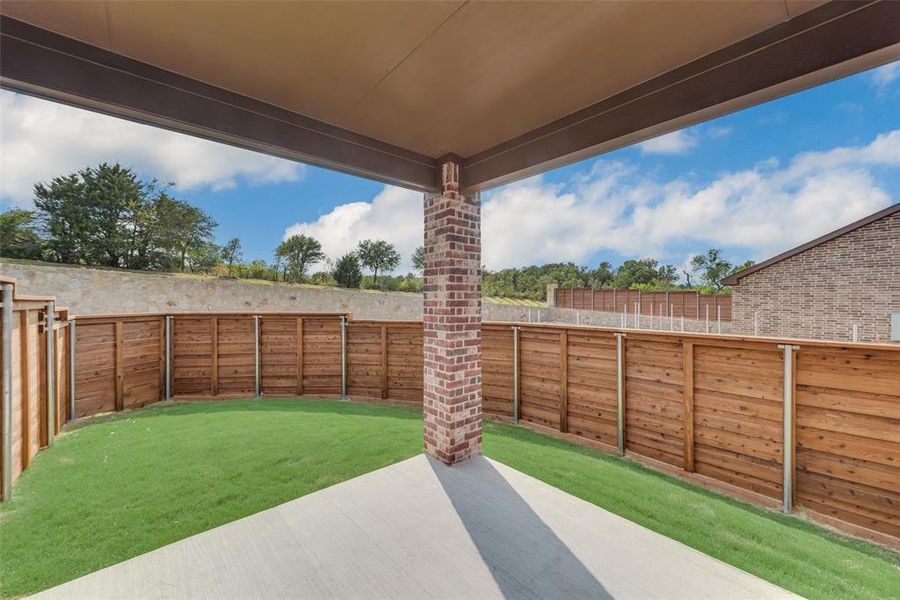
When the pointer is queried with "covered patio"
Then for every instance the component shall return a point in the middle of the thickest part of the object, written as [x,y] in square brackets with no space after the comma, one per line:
[449,98]
[419,529]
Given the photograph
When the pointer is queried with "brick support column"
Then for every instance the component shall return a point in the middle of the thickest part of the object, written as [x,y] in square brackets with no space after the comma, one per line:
[452,321]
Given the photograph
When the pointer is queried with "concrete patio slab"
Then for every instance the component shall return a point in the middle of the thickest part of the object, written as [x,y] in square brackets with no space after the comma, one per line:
[419,529]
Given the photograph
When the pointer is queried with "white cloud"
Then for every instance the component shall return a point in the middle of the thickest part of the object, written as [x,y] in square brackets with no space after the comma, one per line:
[615,207]
[677,142]
[41,139]
[395,215]
[884,76]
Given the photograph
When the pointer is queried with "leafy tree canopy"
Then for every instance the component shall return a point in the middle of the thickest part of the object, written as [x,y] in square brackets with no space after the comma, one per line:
[347,272]
[298,252]
[377,255]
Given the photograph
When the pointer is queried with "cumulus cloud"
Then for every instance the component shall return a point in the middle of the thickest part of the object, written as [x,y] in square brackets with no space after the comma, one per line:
[614,206]
[677,142]
[42,139]
[395,215]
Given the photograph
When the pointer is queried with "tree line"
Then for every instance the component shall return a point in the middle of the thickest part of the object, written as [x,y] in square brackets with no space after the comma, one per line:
[107,216]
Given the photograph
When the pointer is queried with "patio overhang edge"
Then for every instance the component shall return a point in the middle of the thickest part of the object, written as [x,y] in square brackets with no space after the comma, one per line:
[832,41]
[41,63]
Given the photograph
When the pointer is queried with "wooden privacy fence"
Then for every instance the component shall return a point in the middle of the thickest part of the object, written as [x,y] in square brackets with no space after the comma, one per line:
[34,355]
[666,305]
[796,423]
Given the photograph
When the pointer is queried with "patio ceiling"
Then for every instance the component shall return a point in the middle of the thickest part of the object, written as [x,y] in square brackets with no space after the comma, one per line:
[385,89]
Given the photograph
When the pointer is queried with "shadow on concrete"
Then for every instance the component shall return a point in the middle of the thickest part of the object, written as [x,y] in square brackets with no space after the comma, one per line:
[525,556]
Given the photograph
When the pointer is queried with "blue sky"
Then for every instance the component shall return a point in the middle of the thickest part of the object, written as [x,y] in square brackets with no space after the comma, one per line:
[753,183]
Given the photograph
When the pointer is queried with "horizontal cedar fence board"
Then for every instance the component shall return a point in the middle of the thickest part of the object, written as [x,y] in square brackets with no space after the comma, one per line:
[497,370]
[848,435]
[539,377]
[405,362]
[677,304]
[720,415]
[591,386]
[654,379]
[738,416]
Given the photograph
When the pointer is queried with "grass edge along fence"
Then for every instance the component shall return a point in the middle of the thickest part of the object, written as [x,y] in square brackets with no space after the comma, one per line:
[708,408]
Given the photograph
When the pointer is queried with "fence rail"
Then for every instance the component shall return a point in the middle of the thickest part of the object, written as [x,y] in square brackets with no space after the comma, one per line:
[661,305]
[713,408]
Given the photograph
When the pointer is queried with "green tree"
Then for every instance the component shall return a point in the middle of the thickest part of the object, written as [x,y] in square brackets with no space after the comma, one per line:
[85,214]
[712,268]
[204,258]
[601,276]
[182,227]
[106,216]
[18,235]
[418,259]
[231,252]
[347,272]
[298,252]
[637,272]
[377,255]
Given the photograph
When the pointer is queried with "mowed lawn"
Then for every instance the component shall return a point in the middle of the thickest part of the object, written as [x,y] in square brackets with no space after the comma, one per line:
[123,485]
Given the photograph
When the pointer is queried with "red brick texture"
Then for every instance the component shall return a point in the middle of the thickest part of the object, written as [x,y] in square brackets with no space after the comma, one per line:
[452,322]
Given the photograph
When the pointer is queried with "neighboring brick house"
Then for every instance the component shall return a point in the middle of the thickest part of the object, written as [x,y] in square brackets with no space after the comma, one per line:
[822,289]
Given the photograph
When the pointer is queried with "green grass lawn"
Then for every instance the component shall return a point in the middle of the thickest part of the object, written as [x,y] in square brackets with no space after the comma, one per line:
[124,485]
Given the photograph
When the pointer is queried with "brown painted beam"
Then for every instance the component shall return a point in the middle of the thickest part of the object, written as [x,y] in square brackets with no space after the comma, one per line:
[828,42]
[39,62]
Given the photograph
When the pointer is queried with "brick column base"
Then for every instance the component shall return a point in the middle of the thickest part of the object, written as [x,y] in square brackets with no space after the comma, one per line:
[452,321]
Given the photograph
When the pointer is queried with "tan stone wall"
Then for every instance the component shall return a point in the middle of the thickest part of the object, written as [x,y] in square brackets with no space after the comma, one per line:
[823,292]
[98,291]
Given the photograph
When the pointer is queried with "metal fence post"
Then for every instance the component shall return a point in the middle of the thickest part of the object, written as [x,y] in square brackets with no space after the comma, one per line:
[718,319]
[788,418]
[71,369]
[168,358]
[515,374]
[7,325]
[256,353]
[620,393]
[707,318]
[50,330]
[343,356]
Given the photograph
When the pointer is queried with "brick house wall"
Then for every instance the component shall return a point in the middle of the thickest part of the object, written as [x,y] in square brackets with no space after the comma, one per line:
[823,291]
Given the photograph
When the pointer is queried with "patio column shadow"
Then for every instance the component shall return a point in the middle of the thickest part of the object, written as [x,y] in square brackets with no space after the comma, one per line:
[525,556]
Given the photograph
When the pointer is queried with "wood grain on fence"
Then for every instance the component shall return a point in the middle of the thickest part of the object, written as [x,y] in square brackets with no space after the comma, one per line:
[672,304]
[32,378]
[708,406]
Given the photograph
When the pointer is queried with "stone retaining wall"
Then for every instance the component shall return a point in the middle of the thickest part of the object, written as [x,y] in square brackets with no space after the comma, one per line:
[87,291]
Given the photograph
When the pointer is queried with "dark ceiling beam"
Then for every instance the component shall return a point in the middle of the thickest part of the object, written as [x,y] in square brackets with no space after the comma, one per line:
[793,55]
[41,63]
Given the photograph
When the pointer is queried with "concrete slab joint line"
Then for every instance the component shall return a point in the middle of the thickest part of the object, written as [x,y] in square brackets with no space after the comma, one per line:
[452,320]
